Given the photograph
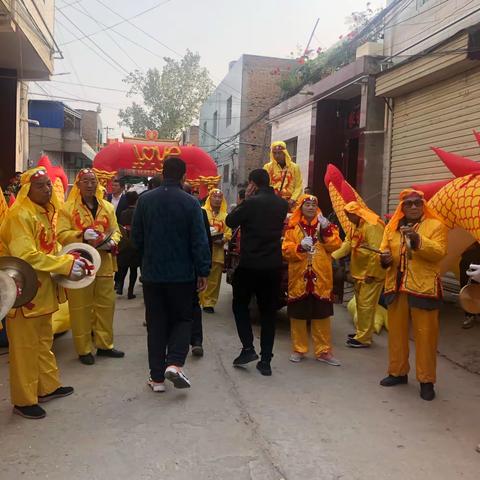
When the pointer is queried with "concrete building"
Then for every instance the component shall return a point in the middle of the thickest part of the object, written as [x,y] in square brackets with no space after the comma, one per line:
[191,136]
[430,83]
[337,120]
[233,127]
[26,54]
[92,127]
[59,135]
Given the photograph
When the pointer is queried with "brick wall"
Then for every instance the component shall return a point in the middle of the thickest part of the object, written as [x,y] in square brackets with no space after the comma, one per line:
[260,91]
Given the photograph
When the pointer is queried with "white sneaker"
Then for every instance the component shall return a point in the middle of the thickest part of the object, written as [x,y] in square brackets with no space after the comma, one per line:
[156,386]
[177,377]
[296,357]
[329,359]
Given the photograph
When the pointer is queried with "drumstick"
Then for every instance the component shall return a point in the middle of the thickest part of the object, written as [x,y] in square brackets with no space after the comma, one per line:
[368,247]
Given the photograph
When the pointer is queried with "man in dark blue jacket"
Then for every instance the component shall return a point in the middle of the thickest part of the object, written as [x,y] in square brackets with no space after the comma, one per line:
[169,233]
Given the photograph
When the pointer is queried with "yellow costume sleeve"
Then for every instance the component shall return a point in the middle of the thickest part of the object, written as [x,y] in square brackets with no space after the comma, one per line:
[373,238]
[66,232]
[333,241]
[434,247]
[343,251]
[227,233]
[298,182]
[112,221]
[22,244]
[290,247]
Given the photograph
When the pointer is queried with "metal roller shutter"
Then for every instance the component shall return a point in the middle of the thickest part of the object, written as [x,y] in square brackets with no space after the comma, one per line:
[441,115]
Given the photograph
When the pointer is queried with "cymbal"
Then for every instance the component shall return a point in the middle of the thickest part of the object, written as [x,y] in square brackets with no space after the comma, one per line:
[24,276]
[469,298]
[8,293]
[87,252]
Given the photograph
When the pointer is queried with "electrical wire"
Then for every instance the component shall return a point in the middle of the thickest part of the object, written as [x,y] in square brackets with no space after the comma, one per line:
[143,12]
[90,48]
[95,43]
[119,45]
[423,31]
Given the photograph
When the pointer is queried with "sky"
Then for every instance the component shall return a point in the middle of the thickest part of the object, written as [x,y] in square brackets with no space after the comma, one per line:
[93,69]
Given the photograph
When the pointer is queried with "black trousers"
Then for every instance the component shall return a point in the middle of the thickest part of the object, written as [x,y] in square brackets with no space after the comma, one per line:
[169,314]
[265,285]
[122,274]
[197,329]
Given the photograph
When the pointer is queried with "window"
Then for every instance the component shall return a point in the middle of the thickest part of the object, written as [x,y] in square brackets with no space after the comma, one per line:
[215,124]
[226,174]
[292,148]
[229,111]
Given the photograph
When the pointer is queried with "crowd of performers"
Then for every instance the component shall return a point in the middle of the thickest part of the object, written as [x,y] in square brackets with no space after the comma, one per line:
[277,223]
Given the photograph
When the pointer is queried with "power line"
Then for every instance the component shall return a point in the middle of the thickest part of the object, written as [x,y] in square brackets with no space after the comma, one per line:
[410,38]
[143,12]
[109,35]
[386,27]
[88,46]
[149,35]
[94,43]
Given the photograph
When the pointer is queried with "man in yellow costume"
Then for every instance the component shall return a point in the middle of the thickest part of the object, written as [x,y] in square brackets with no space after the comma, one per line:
[366,231]
[285,175]
[88,217]
[216,208]
[413,245]
[28,232]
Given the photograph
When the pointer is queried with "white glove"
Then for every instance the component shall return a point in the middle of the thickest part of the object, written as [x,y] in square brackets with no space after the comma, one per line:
[307,243]
[107,245]
[323,222]
[90,235]
[78,270]
[474,272]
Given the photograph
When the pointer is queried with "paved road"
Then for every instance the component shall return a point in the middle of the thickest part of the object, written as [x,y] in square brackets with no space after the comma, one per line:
[308,421]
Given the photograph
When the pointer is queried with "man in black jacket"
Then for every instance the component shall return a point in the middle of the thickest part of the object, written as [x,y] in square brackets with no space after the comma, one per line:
[261,219]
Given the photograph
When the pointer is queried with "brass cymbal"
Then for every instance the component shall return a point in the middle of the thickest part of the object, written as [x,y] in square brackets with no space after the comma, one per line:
[24,276]
[469,298]
[8,293]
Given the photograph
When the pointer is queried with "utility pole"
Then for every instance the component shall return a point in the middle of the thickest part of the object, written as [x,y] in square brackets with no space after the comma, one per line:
[107,129]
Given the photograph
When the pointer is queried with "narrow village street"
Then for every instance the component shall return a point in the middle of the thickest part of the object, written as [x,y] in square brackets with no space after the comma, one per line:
[307,421]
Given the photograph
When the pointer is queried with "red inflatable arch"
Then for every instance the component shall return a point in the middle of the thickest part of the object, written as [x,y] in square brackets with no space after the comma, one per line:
[145,157]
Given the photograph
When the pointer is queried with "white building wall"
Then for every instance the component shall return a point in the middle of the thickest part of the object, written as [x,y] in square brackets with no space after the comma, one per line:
[297,124]
[418,21]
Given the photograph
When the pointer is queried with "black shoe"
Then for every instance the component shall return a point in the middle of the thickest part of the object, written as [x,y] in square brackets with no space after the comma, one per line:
[391,381]
[427,391]
[246,356]
[58,393]
[352,343]
[34,412]
[87,359]
[208,309]
[197,350]
[112,353]
[131,296]
[264,368]
[352,335]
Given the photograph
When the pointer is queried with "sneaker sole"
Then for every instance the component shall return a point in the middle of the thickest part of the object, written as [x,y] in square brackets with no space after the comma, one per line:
[296,360]
[246,363]
[157,389]
[197,351]
[329,363]
[177,380]
[53,397]
[356,346]
[21,414]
